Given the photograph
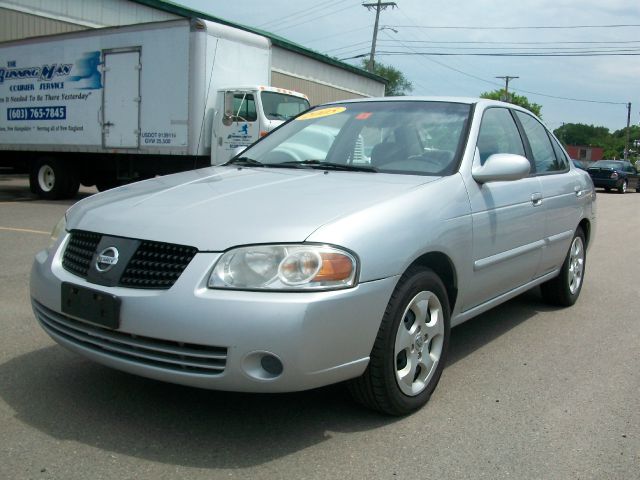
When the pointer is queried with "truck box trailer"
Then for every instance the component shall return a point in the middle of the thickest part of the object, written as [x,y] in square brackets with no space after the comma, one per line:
[108,106]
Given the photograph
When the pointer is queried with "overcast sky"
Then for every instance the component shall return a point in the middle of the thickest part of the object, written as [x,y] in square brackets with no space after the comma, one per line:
[343,28]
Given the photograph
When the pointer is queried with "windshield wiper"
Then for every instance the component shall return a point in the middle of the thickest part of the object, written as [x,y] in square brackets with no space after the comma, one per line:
[321,164]
[245,162]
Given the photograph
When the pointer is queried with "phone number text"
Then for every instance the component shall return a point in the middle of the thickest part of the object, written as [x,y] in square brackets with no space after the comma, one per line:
[37,113]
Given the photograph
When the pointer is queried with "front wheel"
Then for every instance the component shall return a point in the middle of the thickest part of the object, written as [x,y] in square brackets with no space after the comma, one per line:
[565,289]
[623,188]
[410,349]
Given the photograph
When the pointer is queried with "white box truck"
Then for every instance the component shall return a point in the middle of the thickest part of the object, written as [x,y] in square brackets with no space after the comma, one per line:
[109,106]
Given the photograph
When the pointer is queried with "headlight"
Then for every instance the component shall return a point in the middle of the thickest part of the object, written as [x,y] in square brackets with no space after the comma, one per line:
[614,175]
[284,267]
[58,230]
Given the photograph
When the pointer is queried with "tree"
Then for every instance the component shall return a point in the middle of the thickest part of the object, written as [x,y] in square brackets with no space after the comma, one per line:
[519,100]
[612,143]
[397,83]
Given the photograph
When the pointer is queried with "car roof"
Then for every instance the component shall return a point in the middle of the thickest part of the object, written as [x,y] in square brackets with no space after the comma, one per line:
[447,99]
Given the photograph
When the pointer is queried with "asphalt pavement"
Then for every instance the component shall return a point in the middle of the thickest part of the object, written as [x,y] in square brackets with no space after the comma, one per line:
[530,391]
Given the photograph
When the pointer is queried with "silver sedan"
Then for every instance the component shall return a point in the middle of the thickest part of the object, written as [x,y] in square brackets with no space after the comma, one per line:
[344,246]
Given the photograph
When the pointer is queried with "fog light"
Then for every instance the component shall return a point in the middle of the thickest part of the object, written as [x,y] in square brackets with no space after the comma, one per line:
[262,365]
[271,364]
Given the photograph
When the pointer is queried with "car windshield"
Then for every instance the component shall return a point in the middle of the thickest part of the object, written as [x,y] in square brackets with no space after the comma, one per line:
[608,164]
[403,137]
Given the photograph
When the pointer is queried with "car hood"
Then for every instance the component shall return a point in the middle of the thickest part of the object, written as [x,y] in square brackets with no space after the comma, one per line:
[216,208]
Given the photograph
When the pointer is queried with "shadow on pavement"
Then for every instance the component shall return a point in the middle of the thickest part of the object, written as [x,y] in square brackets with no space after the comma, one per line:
[69,398]
[15,188]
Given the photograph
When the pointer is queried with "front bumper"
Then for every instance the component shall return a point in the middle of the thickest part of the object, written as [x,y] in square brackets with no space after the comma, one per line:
[607,182]
[215,339]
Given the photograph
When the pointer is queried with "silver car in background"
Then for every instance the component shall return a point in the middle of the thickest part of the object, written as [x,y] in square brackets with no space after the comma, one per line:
[344,246]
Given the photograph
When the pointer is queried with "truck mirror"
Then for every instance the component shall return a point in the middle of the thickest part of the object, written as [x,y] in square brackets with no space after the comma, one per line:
[228,109]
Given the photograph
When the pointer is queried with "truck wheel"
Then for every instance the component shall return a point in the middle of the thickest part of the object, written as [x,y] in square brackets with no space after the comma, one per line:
[410,350]
[73,184]
[49,179]
[107,185]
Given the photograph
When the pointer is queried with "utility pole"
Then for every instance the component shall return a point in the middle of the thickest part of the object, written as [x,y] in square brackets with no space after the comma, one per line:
[506,79]
[626,142]
[378,7]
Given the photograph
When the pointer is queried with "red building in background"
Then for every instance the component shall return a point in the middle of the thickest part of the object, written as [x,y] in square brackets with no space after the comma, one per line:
[585,153]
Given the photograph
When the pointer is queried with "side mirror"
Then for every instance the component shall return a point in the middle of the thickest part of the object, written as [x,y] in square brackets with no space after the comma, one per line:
[502,167]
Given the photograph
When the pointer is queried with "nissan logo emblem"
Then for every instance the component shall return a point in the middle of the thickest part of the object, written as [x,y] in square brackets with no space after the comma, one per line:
[107,259]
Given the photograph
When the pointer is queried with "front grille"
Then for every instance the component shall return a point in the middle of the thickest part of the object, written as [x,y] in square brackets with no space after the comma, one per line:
[80,249]
[154,265]
[164,354]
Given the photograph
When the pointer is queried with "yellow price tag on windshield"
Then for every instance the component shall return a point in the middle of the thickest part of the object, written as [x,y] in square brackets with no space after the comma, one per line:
[323,112]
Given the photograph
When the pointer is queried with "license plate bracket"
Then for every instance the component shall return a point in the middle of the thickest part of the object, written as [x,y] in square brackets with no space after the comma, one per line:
[91,305]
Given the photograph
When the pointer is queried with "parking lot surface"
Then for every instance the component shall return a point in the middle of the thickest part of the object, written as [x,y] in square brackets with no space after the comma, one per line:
[530,391]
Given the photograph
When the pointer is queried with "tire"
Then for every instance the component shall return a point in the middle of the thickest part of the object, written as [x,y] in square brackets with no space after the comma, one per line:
[565,289]
[107,185]
[410,350]
[49,179]
[623,187]
[73,184]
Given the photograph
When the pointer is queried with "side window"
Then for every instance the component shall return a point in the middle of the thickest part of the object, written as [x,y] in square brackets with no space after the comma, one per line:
[543,155]
[563,162]
[244,107]
[498,134]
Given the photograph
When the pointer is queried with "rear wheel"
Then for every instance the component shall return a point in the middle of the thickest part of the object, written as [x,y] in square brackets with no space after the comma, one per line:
[565,289]
[52,179]
[410,350]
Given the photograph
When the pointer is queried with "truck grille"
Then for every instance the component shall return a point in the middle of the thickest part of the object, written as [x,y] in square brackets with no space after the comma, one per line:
[164,354]
[154,265]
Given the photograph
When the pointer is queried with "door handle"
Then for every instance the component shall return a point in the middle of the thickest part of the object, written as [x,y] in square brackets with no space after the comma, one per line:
[536,199]
[108,124]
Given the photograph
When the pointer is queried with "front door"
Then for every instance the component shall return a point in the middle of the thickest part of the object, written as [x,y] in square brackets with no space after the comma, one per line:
[508,217]
[121,99]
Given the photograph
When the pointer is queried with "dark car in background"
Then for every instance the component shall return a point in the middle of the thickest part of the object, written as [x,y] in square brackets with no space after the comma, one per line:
[578,164]
[617,174]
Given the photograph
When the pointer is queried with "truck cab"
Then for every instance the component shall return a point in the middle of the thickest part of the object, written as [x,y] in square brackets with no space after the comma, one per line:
[246,114]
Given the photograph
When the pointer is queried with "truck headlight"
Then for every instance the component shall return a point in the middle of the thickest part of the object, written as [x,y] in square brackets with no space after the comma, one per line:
[284,267]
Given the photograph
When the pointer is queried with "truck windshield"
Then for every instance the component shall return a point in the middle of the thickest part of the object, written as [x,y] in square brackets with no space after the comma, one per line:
[280,106]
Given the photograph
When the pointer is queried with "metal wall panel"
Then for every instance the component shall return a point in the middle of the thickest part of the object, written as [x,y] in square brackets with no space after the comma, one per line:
[321,78]
[16,25]
[84,13]
[317,93]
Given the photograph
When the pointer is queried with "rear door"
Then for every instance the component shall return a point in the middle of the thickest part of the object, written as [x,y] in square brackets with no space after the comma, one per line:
[121,99]
[564,192]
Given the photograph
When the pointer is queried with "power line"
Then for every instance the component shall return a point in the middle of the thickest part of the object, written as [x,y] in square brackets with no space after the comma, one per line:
[516,43]
[627,52]
[298,14]
[298,23]
[536,27]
